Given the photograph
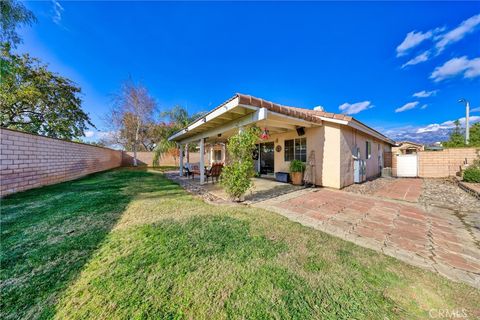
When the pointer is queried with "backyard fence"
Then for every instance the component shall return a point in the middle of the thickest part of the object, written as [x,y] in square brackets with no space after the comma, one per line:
[29,161]
[440,164]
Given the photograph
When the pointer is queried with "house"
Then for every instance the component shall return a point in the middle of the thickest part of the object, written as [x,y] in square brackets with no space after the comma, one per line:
[407,147]
[338,147]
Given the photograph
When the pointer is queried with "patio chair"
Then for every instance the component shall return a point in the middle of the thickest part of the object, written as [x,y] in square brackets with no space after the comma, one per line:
[214,172]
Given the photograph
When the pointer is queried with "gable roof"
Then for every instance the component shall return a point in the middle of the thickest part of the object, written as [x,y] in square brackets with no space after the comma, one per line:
[314,116]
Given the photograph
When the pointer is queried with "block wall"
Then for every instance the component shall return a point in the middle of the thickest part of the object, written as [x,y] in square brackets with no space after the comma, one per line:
[29,161]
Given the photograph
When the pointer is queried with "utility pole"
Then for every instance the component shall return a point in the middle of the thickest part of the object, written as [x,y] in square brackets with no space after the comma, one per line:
[467,119]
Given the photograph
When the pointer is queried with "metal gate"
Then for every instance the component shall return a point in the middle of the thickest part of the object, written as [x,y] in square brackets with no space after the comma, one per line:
[407,165]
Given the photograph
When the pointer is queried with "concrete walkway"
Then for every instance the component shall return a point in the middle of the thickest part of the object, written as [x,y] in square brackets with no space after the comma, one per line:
[431,238]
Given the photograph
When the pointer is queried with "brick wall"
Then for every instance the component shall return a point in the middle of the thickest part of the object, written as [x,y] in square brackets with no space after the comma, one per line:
[445,163]
[29,161]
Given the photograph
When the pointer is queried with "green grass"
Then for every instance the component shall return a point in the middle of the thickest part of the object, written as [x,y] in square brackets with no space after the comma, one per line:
[131,244]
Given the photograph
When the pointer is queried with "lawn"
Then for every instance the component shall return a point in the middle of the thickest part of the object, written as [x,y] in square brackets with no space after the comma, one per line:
[132,244]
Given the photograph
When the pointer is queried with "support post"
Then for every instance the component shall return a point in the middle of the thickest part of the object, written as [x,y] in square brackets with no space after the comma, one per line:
[180,171]
[202,161]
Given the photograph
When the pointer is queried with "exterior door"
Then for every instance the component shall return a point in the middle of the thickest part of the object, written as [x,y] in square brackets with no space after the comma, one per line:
[407,165]
[266,157]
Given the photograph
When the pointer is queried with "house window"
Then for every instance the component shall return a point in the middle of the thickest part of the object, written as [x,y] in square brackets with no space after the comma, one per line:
[217,155]
[368,149]
[296,149]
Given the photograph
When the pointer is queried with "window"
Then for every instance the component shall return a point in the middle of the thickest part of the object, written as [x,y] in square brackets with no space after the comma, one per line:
[296,149]
[217,155]
[368,149]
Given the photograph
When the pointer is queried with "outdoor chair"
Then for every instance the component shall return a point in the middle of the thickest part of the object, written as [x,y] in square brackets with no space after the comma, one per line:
[214,172]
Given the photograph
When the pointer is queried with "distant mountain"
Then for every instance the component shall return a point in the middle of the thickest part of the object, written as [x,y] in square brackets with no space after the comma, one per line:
[426,138]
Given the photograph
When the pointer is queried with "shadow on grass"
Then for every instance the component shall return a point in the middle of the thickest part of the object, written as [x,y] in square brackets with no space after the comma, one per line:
[48,234]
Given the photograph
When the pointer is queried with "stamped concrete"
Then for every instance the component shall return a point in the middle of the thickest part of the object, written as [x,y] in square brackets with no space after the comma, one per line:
[428,237]
[407,189]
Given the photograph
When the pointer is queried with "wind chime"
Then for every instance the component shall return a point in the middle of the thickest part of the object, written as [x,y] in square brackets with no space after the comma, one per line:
[265,134]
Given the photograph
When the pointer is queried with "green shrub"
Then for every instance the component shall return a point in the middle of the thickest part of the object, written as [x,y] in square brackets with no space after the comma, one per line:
[472,174]
[297,166]
[237,174]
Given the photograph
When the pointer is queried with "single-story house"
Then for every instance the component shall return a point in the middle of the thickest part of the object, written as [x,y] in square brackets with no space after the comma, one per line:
[338,148]
[407,147]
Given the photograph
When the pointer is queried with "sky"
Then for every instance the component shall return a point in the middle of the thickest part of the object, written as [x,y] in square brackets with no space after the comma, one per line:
[398,67]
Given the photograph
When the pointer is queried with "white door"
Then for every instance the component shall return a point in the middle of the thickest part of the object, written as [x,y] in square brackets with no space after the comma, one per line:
[407,165]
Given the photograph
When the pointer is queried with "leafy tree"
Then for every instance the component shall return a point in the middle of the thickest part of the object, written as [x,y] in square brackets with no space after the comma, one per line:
[457,139]
[475,135]
[13,14]
[36,100]
[131,118]
[457,136]
[237,174]
[177,118]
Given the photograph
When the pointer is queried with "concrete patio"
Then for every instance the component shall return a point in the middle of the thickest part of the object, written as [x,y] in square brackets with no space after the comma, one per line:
[429,237]
[263,188]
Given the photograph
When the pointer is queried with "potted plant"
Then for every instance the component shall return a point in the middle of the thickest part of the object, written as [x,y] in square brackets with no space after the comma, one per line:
[297,168]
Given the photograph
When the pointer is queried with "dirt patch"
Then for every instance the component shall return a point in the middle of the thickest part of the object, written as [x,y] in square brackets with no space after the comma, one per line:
[446,193]
[369,187]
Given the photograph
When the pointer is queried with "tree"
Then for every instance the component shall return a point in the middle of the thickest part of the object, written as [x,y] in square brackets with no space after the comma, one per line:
[475,135]
[457,139]
[13,14]
[131,117]
[457,136]
[177,118]
[237,174]
[36,100]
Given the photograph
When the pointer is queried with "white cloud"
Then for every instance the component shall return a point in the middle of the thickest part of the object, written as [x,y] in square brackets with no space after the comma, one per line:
[456,66]
[354,108]
[89,133]
[446,125]
[412,40]
[466,27]
[57,12]
[418,59]
[424,106]
[407,106]
[425,94]
[475,109]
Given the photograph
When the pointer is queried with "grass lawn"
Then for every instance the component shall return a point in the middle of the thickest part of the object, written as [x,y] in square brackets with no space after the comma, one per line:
[131,244]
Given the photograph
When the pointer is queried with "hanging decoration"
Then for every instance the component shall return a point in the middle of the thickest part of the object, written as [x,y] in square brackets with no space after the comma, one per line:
[265,134]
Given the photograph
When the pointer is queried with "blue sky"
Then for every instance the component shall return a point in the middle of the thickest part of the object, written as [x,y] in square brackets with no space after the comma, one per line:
[366,59]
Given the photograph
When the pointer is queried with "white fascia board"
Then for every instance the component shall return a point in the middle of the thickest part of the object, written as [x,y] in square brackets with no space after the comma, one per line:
[295,121]
[369,131]
[359,127]
[259,115]
[344,122]
[212,115]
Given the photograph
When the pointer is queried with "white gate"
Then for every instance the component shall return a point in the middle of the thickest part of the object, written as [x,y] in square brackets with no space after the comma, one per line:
[407,165]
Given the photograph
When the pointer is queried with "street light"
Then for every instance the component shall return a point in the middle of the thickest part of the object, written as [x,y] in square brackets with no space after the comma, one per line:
[467,118]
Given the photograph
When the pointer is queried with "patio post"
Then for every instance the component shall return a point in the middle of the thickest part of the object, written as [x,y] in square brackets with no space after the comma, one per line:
[202,161]
[180,171]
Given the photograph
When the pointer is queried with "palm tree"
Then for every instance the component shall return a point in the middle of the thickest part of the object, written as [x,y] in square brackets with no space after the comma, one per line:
[178,118]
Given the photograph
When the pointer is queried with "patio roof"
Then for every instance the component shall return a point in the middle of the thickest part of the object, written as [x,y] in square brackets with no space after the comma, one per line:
[243,110]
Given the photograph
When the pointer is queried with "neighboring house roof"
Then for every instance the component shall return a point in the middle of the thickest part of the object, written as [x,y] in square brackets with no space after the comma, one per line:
[314,116]
[409,142]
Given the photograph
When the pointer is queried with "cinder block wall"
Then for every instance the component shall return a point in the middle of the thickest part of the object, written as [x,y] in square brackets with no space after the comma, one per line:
[29,161]
[445,163]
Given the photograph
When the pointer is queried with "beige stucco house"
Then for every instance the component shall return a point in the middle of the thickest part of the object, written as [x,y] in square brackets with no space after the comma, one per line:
[335,146]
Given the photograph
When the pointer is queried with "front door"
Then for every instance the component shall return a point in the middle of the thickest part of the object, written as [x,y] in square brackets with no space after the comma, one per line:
[266,156]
